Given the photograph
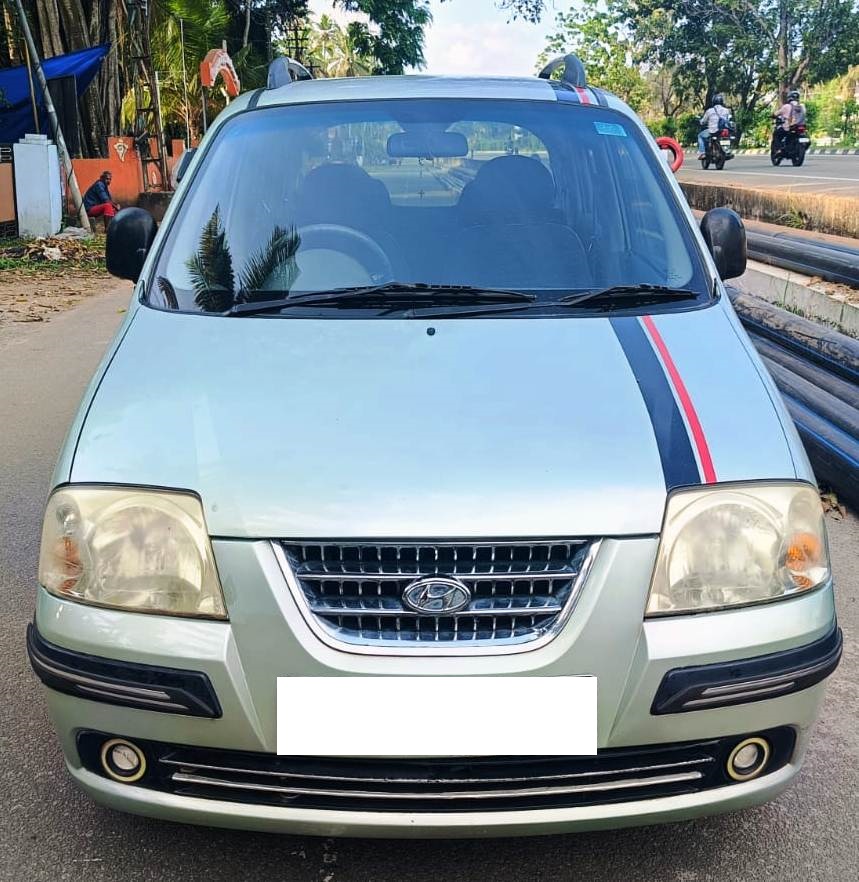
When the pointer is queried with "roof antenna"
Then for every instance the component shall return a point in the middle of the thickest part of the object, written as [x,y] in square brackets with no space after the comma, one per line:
[574,70]
[284,70]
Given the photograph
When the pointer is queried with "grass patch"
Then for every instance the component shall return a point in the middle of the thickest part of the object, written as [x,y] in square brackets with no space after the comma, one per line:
[37,256]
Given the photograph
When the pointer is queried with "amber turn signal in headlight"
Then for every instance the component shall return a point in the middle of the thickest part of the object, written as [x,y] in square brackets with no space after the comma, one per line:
[735,544]
[138,550]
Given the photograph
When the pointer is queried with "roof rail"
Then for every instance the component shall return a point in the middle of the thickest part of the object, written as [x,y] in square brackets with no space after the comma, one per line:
[284,70]
[574,70]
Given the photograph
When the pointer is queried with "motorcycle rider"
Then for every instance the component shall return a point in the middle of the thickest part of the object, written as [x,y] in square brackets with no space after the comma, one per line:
[711,119]
[791,113]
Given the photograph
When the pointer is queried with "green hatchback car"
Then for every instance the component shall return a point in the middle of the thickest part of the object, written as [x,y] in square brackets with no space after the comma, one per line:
[431,486]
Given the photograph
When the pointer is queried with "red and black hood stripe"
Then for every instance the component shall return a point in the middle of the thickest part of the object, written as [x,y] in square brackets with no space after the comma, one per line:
[683,448]
[578,94]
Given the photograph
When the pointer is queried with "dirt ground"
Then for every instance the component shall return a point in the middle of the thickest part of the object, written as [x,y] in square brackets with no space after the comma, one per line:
[39,278]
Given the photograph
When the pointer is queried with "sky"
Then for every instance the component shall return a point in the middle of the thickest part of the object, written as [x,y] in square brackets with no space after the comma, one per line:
[475,37]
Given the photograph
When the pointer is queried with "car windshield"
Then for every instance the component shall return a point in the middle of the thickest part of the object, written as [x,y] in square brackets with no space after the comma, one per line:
[543,197]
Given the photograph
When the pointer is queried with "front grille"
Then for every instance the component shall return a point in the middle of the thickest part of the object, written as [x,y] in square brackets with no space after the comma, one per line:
[519,591]
[446,785]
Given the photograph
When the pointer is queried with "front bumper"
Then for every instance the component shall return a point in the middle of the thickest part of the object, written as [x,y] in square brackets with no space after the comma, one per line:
[268,637]
[442,825]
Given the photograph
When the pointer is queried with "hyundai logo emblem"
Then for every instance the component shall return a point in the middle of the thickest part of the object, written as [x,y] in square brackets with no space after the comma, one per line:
[436,595]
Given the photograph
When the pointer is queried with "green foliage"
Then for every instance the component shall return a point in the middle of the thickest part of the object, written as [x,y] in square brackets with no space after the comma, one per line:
[211,267]
[597,37]
[333,51]
[277,256]
[664,127]
[688,126]
[396,40]
[745,48]
[832,110]
[530,10]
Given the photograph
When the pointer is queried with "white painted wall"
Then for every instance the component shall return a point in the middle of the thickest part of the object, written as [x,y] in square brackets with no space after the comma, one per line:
[37,186]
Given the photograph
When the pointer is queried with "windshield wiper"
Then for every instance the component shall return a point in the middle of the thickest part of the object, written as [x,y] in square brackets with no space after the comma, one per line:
[631,292]
[389,295]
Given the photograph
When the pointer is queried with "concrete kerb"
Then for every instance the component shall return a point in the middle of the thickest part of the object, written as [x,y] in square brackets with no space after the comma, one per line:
[764,151]
[792,291]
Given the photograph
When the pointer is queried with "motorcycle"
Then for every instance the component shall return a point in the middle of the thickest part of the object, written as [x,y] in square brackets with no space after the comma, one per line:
[790,144]
[719,149]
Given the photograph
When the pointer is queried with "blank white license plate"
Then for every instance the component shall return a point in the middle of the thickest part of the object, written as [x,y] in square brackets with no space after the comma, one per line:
[805,140]
[436,716]
[725,143]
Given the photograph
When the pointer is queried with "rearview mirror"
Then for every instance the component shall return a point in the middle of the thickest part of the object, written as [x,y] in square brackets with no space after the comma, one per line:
[725,236]
[427,144]
[129,238]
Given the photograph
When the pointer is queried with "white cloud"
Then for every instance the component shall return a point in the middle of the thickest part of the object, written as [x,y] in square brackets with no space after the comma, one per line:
[326,7]
[470,37]
[490,49]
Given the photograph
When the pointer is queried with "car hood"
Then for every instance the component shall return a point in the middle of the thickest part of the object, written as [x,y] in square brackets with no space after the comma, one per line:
[390,428]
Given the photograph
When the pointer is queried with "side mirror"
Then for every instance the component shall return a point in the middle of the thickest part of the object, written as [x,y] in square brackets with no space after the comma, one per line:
[129,238]
[725,236]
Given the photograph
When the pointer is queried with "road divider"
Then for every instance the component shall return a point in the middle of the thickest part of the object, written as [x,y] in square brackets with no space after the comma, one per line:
[812,211]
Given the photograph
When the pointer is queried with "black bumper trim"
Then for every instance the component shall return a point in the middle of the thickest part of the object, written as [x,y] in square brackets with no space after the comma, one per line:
[442,784]
[145,687]
[755,679]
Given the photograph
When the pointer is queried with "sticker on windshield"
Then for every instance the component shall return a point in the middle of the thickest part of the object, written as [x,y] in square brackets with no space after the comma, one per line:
[607,128]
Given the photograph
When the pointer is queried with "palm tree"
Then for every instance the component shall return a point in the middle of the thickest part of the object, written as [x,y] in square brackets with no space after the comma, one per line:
[213,277]
[334,53]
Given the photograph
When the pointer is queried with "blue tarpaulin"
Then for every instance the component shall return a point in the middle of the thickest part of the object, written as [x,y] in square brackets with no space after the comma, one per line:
[16,112]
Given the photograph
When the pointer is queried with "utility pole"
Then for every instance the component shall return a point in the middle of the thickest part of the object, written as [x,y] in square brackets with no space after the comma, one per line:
[32,90]
[56,131]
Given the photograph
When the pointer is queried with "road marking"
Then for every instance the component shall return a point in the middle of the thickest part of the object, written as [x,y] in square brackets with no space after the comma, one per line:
[781,175]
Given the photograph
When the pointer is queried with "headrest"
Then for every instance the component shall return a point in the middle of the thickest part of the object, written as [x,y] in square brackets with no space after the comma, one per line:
[509,184]
[339,188]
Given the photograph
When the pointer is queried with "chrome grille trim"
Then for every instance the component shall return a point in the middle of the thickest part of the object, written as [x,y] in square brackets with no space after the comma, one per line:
[349,593]
[594,787]
[446,781]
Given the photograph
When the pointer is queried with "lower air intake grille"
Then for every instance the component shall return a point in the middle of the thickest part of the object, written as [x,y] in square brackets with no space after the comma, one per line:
[510,592]
[459,784]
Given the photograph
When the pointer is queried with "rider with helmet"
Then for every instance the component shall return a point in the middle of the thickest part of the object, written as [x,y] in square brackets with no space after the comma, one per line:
[791,113]
[713,119]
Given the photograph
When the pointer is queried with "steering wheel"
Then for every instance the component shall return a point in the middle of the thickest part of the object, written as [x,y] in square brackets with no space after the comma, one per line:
[351,242]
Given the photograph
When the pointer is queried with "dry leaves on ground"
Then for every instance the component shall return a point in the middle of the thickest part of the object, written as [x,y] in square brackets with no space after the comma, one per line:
[832,506]
[842,293]
[39,277]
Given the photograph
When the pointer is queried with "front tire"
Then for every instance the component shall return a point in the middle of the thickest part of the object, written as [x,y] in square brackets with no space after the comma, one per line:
[705,163]
[775,154]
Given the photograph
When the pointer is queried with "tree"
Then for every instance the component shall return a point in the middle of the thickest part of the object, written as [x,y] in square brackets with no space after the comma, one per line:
[204,25]
[61,26]
[395,35]
[334,53]
[702,54]
[596,36]
[753,45]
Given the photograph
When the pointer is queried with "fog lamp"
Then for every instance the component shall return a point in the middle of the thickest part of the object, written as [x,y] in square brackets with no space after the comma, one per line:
[748,759]
[123,761]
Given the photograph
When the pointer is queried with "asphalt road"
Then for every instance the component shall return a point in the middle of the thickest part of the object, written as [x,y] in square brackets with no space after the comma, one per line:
[50,831]
[821,173]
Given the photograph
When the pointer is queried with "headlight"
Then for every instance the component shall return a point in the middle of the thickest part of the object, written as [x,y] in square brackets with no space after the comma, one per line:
[736,545]
[140,550]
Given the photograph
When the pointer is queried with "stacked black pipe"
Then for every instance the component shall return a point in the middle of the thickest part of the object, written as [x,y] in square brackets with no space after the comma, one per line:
[817,372]
[832,261]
